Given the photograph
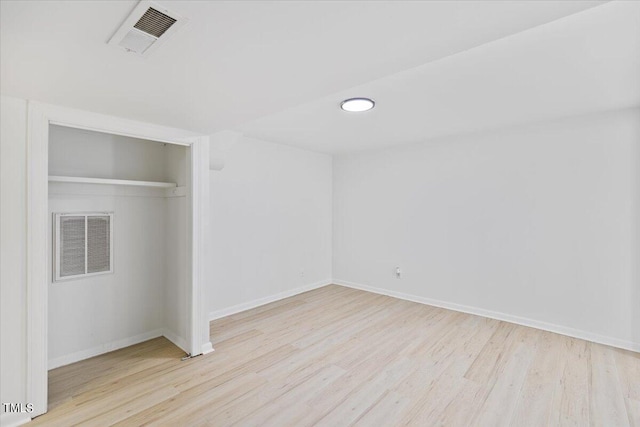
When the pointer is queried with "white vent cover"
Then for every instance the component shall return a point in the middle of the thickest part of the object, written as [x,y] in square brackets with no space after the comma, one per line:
[83,245]
[72,246]
[98,243]
[146,28]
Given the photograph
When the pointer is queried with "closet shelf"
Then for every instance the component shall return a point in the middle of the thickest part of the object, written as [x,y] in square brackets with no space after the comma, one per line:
[85,180]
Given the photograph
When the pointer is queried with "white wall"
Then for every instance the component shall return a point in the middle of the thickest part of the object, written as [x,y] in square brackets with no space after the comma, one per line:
[77,152]
[89,316]
[13,216]
[270,223]
[537,223]
[176,271]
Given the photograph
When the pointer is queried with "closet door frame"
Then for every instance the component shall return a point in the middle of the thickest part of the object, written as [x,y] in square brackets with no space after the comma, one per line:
[39,117]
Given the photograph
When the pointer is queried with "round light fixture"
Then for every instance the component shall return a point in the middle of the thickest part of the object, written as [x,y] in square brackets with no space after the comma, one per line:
[357,105]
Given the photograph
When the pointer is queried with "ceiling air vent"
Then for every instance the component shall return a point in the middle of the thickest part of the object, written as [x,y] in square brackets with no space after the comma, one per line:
[146,28]
[154,22]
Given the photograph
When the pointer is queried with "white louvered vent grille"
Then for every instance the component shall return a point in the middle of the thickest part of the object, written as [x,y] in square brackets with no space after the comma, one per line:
[98,244]
[147,27]
[72,245]
[83,245]
[154,22]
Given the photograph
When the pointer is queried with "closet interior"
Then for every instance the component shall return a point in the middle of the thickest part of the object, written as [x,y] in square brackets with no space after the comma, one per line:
[119,258]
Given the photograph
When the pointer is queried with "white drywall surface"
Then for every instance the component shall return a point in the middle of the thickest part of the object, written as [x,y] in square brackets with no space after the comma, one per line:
[537,222]
[270,222]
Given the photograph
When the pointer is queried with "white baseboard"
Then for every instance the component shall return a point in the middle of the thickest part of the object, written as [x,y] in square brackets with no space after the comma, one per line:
[103,348]
[126,342]
[217,314]
[550,327]
[14,419]
[207,348]
[174,338]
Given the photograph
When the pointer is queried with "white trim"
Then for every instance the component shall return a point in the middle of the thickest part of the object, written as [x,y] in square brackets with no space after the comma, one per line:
[103,181]
[104,348]
[524,321]
[37,257]
[96,122]
[76,189]
[14,419]
[198,199]
[202,260]
[40,116]
[223,312]
[97,128]
[207,348]
[177,340]
[118,344]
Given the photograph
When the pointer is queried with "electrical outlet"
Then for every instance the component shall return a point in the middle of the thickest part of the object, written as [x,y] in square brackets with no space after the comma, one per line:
[302,273]
[398,273]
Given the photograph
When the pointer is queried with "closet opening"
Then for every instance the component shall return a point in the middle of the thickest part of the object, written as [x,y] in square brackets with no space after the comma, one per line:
[119,258]
[117,216]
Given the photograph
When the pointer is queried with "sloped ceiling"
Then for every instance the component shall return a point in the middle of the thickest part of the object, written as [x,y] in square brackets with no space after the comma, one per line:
[580,64]
[277,70]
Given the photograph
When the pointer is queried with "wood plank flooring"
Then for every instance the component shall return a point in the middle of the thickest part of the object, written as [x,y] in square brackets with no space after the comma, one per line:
[337,357]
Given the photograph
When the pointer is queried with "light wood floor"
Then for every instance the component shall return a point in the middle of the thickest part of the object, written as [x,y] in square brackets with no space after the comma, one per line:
[337,356]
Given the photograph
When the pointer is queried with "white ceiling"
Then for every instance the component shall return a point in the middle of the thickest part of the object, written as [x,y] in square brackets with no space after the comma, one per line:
[580,64]
[289,64]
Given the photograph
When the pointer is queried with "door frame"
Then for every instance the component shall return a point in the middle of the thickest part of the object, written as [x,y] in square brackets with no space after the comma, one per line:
[39,117]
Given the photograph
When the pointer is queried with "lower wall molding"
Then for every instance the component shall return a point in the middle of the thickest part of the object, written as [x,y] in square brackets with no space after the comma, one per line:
[8,419]
[17,419]
[217,314]
[550,327]
[126,342]
[177,340]
[104,348]
[207,347]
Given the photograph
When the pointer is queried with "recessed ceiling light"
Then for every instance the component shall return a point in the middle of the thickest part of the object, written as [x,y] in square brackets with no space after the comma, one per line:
[356,105]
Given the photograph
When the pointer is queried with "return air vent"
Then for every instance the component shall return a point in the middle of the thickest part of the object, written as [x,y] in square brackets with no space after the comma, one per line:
[154,22]
[146,28]
[83,245]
